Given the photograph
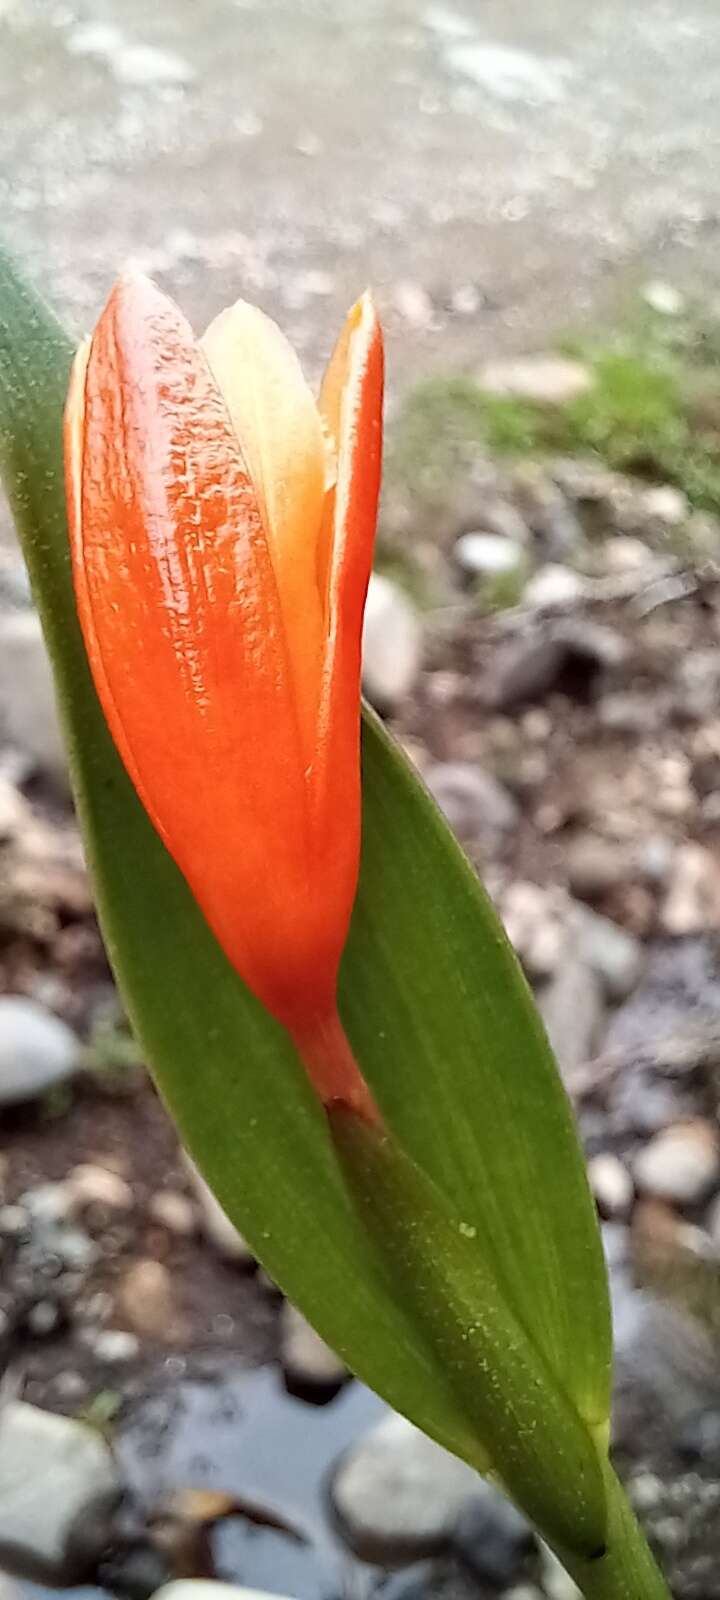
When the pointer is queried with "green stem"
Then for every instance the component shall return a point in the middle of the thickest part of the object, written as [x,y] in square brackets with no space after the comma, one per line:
[627,1571]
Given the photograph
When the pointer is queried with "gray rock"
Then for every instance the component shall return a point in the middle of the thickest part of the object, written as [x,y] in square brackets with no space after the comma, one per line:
[476,805]
[546,380]
[573,1010]
[28,712]
[557,657]
[38,1052]
[307,1361]
[397,1496]
[497,514]
[487,555]
[594,865]
[681,1164]
[492,1538]
[392,644]
[53,1471]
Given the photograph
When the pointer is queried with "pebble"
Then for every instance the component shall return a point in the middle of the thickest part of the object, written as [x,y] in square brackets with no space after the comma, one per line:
[692,903]
[665,504]
[573,1011]
[535,928]
[492,1538]
[217,1227]
[115,1346]
[594,866]
[474,802]
[397,1495]
[392,644]
[554,585]
[28,713]
[90,1185]
[146,1298]
[310,1367]
[613,953]
[209,1589]
[663,298]
[38,1052]
[52,1470]
[487,555]
[681,1164]
[545,380]
[611,1184]
[174,1211]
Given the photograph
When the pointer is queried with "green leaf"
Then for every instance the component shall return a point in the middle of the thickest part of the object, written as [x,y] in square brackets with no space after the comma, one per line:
[435,1005]
[445,1271]
[450,1040]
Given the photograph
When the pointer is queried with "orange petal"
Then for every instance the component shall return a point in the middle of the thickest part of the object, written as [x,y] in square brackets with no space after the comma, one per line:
[178,603]
[278,427]
[351,407]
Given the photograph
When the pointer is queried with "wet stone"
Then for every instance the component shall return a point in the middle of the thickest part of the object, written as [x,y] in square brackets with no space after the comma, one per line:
[53,1470]
[38,1052]
[397,1496]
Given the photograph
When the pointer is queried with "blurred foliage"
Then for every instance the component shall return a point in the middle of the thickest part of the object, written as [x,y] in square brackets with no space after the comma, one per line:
[653,410]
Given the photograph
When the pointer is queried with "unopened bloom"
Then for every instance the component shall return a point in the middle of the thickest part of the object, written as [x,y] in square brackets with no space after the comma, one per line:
[222,527]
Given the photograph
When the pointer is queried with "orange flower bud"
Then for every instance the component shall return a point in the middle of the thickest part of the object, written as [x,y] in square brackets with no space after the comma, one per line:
[222,527]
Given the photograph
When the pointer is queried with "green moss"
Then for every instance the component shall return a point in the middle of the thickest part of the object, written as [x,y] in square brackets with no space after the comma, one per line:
[653,409]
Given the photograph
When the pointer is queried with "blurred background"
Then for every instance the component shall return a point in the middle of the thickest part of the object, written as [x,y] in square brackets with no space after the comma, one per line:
[532,194]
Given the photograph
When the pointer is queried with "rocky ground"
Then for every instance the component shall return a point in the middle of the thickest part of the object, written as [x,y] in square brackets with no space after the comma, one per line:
[543,639]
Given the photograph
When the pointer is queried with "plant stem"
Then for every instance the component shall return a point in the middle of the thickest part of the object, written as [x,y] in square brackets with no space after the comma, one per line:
[628,1570]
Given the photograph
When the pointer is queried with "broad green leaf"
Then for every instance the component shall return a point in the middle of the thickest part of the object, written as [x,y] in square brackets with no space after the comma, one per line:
[449,1037]
[446,1274]
[437,1010]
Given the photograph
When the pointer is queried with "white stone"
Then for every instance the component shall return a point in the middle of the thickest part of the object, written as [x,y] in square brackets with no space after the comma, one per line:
[28,712]
[115,1346]
[546,380]
[554,585]
[692,904]
[611,1185]
[37,1051]
[680,1164]
[392,644]
[487,555]
[666,504]
[511,74]
[51,1471]
[397,1495]
[216,1225]
[663,298]
[209,1589]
